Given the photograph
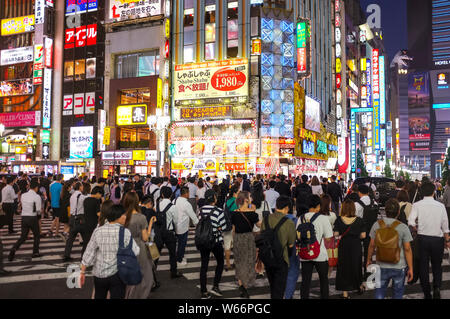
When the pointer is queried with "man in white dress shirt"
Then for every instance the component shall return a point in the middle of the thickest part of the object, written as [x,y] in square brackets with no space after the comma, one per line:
[185,213]
[432,228]
[8,198]
[31,206]
[272,195]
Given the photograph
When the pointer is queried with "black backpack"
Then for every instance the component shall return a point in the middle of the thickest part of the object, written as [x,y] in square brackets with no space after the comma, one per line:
[270,249]
[117,192]
[370,214]
[161,220]
[227,214]
[204,233]
[402,216]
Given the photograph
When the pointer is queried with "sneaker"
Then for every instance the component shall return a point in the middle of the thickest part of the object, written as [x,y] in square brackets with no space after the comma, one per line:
[206,295]
[436,293]
[181,265]
[216,292]
[36,255]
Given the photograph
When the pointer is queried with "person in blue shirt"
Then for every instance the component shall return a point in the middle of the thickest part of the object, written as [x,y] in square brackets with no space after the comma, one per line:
[294,264]
[55,199]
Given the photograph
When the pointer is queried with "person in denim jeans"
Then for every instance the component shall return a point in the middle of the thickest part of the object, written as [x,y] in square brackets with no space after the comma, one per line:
[294,267]
[397,272]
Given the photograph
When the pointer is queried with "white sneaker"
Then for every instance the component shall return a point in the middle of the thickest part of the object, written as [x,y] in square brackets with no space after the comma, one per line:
[182,264]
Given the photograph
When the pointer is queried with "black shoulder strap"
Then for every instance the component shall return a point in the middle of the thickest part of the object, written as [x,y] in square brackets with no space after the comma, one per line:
[402,209]
[280,223]
[360,202]
[314,217]
[76,205]
[153,193]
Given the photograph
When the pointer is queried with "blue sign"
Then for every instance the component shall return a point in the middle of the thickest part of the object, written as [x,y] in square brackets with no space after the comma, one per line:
[353,141]
[83,5]
[67,170]
[333,148]
[308,147]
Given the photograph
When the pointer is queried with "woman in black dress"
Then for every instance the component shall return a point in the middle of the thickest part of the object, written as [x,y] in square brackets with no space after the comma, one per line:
[349,267]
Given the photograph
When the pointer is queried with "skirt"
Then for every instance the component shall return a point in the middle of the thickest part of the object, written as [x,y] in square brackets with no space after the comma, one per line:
[244,252]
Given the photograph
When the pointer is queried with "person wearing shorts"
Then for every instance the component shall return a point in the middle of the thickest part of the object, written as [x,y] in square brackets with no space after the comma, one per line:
[55,201]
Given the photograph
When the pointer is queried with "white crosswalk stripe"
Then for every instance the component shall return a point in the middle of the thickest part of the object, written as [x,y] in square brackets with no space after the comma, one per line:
[50,266]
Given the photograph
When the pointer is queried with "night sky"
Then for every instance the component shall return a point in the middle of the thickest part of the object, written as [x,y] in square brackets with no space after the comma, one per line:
[393,23]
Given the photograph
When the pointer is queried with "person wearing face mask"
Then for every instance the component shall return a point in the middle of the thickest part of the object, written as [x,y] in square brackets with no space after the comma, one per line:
[101,253]
[243,220]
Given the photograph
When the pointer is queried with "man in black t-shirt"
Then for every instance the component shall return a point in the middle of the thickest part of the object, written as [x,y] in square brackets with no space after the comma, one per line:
[282,187]
[92,209]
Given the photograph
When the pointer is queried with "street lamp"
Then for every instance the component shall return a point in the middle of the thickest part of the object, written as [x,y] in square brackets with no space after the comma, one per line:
[159,124]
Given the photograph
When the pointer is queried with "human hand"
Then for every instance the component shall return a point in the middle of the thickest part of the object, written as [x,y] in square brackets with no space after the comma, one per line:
[82,279]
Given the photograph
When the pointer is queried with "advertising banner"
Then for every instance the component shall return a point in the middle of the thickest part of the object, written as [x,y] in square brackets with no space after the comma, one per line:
[215,148]
[81,36]
[132,9]
[14,56]
[419,146]
[418,90]
[38,65]
[132,114]
[419,128]
[312,114]
[16,87]
[376,96]
[205,112]
[17,25]
[21,119]
[46,99]
[81,142]
[228,78]
[73,6]
[39,8]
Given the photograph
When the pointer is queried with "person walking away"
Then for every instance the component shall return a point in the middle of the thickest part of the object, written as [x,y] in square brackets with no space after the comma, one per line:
[326,209]
[432,228]
[395,270]
[31,207]
[92,209]
[272,195]
[217,219]
[8,198]
[283,241]
[405,206]
[185,215]
[193,197]
[140,231]
[294,264]
[302,192]
[350,228]
[101,253]
[115,191]
[244,219]
[65,208]
[316,187]
[335,192]
[167,215]
[201,189]
[154,189]
[77,221]
[230,207]
[55,203]
[282,187]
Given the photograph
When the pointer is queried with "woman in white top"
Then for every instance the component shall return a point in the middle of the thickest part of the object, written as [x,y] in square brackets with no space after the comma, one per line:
[201,189]
[325,209]
[316,186]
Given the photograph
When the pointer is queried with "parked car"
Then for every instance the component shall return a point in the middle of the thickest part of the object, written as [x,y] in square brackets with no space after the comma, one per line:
[385,187]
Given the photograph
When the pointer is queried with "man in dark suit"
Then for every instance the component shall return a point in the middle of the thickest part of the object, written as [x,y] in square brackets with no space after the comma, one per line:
[282,187]
[245,184]
[335,192]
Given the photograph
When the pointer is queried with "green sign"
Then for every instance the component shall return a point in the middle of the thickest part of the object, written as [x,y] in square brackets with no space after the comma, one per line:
[301,35]
[45,136]
[321,147]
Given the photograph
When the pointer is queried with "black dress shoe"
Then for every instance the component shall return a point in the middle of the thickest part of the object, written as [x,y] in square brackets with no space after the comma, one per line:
[11,255]
[156,286]
[36,255]
[176,275]
[436,293]
[4,272]
[67,259]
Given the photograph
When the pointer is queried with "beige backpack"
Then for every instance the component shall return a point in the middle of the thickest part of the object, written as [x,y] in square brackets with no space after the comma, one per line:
[386,241]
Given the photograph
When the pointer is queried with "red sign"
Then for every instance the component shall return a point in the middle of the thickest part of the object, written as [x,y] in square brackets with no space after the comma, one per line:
[235,166]
[228,80]
[48,53]
[21,119]
[338,81]
[166,49]
[301,60]
[81,36]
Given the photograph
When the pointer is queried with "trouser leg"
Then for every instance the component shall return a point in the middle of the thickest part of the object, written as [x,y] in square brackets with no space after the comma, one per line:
[218,254]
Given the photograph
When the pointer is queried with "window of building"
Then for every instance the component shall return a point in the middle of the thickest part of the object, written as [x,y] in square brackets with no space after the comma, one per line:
[137,64]
[135,96]
[188,32]
[232,29]
[210,29]
[134,137]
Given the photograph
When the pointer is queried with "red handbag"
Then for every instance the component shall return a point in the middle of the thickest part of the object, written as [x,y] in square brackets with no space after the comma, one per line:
[332,249]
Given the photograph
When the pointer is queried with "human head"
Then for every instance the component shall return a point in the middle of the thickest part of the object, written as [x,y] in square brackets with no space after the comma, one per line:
[104,209]
[313,202]
[239,177]
[97,192]
[305,179]
[243,199]
[184,192]
[34,185]
[166,192]
[399,184]
[325,205]
[283,205]
[403,196]
[59,177]
[116,214]
[210,197]
[272,184]
[234,190]
[10,179]
[392,208]
[427,189]
[333,178]
[315,181]
[77,187]
[101,181]
[147,201]
[200,183]
[86,189]
[363,190]
[173,181]
[348,208]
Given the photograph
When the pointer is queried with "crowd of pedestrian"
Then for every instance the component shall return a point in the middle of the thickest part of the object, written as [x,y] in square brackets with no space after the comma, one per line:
[275,227]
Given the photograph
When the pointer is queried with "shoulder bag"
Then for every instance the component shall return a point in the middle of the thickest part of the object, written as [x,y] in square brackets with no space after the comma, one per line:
[332,248]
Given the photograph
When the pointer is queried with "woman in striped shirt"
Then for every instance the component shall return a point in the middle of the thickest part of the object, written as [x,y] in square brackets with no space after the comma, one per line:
[218,223]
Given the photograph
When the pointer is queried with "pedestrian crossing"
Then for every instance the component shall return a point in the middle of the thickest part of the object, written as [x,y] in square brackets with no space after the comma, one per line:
[50,266]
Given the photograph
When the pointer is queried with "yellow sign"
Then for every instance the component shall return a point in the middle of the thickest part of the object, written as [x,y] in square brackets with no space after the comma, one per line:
[132,114]
[338,65]
[159,94]
[106,136]
[105,173]
[167,28]
[17,25]
[351,65]
[138,155]
[363,64]
[256,46]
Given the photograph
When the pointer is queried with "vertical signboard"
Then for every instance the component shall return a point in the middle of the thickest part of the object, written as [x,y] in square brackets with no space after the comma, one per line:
[376,96]
[46,101]
[38,64]
[419,111]
[353,138]
[382,92]
[304,47]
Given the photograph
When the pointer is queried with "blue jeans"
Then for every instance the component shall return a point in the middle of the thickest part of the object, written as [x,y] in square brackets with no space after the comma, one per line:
[398,283]
[292,277]
[182,241]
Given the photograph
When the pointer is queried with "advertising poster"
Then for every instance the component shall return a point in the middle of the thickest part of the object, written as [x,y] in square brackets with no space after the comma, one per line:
[21,119]
[16,87]
[419,146]
[215,148]
[90,68]
[132,9]
[81,142]
[418,90]
[419,128]
[14,56]
[312,114]
[73,6]
[228,78]
[17,25]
